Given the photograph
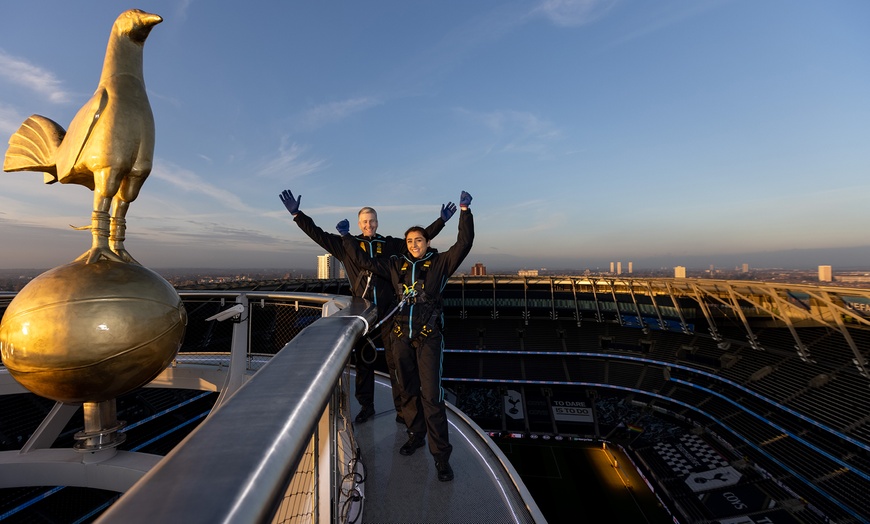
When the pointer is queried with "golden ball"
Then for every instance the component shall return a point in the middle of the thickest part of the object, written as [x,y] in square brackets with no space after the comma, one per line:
[91,332]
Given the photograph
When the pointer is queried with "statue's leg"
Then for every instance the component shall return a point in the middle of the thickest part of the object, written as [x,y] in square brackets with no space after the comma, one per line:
[100,219]
[118,229]
[127,193]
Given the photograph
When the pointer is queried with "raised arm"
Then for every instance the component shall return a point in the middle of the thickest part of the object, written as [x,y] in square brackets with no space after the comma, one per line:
[447,211]
[464,239]
[328,241]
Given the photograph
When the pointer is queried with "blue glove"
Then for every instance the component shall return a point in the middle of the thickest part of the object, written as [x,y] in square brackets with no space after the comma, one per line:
[292,204]
[447,211]
[464,200]
[343,227]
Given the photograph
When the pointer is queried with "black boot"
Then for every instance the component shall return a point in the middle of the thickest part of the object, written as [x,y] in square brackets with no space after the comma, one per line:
[414,441]
[445,472]
[365,413]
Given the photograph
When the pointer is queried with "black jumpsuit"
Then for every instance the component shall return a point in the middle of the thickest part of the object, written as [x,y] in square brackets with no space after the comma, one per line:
[378,291]
[417,340]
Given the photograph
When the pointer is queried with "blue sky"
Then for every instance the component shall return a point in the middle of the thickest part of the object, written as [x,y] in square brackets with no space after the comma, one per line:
[663,133]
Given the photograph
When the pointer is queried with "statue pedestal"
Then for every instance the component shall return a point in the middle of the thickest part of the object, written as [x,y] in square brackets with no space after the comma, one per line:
[101,427]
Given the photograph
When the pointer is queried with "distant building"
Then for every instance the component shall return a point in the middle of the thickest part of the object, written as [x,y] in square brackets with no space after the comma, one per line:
[746,268]
[826,274]
[630,268]
[619,268]
[853,277]
[612,264]
[478,270]
[328,267]
[528,272]
[680,272]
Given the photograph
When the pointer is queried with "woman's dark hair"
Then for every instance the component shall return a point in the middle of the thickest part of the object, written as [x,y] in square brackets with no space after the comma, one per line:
[418,229]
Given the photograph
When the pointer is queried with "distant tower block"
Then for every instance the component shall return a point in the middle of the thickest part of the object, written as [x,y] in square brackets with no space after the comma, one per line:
[746,268]
[680,272]
[612,264]
[328,267]
[826,274]
[630,268]
[478,270]
[619,268]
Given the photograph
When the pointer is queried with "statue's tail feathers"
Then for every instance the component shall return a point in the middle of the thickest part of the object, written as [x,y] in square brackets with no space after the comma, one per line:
[33,146]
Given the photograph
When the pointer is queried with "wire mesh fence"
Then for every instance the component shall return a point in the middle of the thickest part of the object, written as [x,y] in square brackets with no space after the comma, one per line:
[271,324]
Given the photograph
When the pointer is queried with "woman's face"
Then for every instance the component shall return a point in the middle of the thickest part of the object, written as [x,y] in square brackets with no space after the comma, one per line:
[416,244]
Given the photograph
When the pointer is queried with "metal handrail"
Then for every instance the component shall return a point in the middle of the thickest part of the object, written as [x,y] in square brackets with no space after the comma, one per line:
[236,465]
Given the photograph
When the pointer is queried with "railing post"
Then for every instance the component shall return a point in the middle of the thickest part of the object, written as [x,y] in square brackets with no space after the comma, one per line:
[325,461]
[238,352]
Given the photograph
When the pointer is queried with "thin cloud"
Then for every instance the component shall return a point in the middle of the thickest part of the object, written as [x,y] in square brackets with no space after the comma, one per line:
[189,181]
[573,13]
[19,72]
[513,121]
[435,62]
[290,162]
[25,199]
[464,40]
[187,231]
[336,111]
[666,16]
[518,130]
[507,121]
[10,120]
[181,9]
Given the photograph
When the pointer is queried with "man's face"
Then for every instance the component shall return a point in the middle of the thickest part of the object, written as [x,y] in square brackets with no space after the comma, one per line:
[368,224]
[416,244]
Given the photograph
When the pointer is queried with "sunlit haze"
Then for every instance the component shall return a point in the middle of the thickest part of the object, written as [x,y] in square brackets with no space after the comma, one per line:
[664,133]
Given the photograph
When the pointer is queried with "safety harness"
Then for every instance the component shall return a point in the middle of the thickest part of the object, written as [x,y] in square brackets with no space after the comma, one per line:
[416,298]
[374,247]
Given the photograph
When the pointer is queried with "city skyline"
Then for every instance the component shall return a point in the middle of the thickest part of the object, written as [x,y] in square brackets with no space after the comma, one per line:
[714,132]
[495,267]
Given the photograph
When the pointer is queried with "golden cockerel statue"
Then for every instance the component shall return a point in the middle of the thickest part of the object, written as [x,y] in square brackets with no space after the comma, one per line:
[109,146]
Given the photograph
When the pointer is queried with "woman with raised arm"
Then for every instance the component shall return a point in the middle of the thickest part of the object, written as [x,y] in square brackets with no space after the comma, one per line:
[418,278]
